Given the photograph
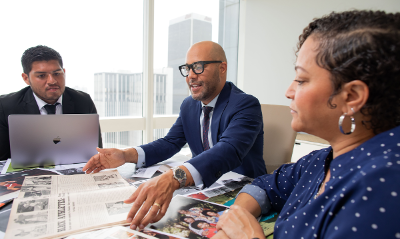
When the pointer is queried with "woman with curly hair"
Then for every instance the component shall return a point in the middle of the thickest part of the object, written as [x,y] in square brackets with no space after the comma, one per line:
[346,91]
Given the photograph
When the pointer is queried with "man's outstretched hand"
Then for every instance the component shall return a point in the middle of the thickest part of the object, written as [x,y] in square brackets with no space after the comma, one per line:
[151,200]
[110,158]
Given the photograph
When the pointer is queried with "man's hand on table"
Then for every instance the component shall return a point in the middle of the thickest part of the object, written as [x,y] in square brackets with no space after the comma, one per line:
[152,198]
[110,158]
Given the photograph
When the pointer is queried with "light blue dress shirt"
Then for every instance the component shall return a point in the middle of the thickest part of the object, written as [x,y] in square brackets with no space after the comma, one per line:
[198,180]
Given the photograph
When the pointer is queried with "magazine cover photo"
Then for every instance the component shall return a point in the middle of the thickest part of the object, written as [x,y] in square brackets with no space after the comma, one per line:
[190,218]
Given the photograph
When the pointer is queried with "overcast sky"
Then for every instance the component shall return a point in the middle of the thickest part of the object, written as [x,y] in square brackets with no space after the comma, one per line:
[91,35]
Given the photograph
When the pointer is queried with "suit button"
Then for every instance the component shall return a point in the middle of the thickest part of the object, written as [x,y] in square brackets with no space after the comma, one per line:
[219,174]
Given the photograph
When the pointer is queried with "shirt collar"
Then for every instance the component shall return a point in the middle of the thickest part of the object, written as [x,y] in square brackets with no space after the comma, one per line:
[212,103]
[41,103]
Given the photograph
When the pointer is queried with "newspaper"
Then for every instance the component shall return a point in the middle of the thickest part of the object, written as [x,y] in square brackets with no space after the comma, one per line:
[121,232]
[55,206]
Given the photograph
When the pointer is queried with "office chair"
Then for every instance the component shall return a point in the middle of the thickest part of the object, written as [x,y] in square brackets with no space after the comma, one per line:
[279,136]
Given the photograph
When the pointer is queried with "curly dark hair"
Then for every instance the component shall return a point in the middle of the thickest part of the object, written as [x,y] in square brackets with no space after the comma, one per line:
[39,53]
[362,45]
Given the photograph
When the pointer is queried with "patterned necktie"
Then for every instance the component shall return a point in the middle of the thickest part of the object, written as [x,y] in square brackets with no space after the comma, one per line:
[206,126]
[51,109]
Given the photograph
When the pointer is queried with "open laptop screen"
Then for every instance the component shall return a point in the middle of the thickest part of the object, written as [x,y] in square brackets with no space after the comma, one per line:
[38,140]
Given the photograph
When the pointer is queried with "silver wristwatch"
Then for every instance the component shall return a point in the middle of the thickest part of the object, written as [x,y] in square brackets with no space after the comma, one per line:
[180,175]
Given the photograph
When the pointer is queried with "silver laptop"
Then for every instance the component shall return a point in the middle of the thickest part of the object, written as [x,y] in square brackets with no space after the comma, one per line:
[39,140]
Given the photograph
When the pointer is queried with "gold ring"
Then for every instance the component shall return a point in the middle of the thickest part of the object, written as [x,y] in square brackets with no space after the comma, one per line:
[156,204]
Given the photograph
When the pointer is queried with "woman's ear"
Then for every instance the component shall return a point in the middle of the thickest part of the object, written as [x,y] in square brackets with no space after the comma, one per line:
[355,95]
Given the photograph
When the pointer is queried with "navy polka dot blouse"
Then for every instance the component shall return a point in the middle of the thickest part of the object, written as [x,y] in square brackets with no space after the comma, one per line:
[361,199]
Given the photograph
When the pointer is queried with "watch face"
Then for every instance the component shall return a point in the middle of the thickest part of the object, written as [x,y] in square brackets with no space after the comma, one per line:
[180,173]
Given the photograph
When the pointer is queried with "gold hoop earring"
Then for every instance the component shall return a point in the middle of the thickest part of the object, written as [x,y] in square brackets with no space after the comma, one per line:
[353,123]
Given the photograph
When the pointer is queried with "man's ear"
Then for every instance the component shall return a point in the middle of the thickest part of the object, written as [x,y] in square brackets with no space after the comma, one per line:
[355,95]
[223,67]
[25,77]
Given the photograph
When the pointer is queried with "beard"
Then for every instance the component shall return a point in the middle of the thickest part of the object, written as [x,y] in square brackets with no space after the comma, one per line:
[209,88]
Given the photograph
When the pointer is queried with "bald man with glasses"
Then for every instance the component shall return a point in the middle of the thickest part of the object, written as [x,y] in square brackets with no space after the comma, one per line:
[222,125]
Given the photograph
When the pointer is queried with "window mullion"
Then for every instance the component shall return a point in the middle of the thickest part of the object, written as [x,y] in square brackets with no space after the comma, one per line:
[148,82]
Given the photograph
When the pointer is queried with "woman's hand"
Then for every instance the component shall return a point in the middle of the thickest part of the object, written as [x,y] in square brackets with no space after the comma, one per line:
[238,223]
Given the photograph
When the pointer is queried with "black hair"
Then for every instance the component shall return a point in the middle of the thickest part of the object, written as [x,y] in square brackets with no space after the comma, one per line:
[161,236]
[362,45]
[196,223]
[204,212]
[39,53]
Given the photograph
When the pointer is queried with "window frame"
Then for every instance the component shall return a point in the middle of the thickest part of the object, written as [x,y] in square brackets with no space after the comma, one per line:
[148,122]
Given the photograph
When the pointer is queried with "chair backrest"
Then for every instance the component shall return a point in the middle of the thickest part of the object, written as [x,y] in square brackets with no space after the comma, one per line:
[279,136]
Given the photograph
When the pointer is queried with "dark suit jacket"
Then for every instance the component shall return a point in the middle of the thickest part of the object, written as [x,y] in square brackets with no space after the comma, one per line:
[23,102]
[237,135]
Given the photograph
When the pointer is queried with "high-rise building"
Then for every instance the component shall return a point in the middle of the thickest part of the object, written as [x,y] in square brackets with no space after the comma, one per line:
[120,94]
[183,32]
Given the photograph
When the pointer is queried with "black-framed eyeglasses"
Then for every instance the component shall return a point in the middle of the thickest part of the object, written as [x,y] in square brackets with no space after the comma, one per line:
[197,67]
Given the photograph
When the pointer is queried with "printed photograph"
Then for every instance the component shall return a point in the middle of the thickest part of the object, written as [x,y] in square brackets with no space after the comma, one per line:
[234,184]
[105,177]
[122,234]
[34,188]
[33,205]
[111,185]
[12,182]
[268,223]
[199,196]
[41,180]
[217,191]
[133,180]
[117,208]
[31,232]
[226,199]
[71,171]
[140,171]
[190,218]
[37,194]
[35,218]
[156,234]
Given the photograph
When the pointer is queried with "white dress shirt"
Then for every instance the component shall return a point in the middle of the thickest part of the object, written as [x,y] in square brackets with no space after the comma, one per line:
[41,105]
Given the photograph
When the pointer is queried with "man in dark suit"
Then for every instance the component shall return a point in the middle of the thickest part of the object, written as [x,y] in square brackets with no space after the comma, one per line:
[45,75]
[226,137]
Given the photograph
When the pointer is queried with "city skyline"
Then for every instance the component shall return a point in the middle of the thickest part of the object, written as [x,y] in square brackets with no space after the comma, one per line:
[101,36]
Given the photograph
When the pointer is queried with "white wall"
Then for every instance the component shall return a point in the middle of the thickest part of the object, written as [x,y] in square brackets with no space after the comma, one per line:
[269,30]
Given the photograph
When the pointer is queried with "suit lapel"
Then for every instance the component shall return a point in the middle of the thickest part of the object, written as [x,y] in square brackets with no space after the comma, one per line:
[67,103]
[29,103]
[220,106]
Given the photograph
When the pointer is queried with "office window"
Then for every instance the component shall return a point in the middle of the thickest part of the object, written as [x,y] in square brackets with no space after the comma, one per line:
[123,139]
[178,24]
[101,43]
[101,46]
[159,133]
[92,37]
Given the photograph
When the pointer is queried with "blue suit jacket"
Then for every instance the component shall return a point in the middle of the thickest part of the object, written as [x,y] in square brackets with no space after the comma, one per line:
[237,136]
